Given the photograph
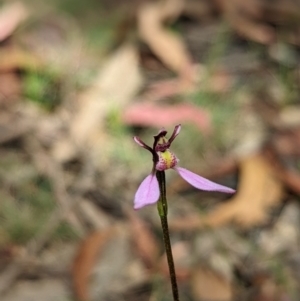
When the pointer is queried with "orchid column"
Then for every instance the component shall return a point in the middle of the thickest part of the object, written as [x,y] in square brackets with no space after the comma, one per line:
[153,188]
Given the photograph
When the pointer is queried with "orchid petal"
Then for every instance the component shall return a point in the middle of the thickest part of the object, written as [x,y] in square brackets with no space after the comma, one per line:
[200,182]
[175,133]
[142,144]
[147,193]
[139,141]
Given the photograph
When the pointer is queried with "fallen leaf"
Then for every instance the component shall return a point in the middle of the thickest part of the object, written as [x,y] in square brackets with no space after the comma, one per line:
[165,44]
[85,260]
[144,240]
[209,286]
[11,15]
[13,58]
[114,87]
[245,18]
[147,114]
[259,189]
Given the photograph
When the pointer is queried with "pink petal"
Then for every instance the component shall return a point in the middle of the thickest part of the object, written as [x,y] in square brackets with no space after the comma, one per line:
[200,182]
[147,193]
[156,115]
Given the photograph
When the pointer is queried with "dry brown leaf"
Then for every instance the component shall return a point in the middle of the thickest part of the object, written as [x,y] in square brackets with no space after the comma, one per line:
[259,189]
[252,19]
[12,59]
[11,16]
[85,260]
[113,88]
[148,114]
[144,240]
[209,286]
[165,44]
[245,17]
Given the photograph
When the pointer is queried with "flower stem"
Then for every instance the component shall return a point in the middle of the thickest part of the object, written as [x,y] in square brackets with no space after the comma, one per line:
[162,207]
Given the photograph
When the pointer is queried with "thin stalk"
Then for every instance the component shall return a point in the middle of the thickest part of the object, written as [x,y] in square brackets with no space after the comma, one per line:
[162,207]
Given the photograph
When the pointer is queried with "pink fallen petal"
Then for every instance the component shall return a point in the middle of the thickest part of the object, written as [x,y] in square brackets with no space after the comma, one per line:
[200,182]
[148,114]
[147,193]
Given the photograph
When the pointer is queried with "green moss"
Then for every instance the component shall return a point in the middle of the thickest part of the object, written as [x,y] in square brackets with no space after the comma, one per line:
[42,88]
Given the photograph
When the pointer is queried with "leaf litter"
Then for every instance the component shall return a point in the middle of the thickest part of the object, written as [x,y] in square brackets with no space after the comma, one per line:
[83,143]
[259,189]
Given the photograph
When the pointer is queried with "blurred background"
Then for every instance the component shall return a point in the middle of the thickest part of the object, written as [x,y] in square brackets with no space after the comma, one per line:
[78,79]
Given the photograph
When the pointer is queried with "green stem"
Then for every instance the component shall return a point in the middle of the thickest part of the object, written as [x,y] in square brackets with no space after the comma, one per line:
[162,207]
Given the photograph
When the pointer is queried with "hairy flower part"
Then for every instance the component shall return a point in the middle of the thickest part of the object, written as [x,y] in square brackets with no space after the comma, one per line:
[148,192]
[166,160]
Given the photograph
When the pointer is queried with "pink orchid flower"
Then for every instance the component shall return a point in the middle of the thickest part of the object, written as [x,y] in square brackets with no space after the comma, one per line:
[148,192]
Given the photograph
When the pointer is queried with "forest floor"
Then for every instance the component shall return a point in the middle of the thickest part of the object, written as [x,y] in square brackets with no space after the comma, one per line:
[79,79]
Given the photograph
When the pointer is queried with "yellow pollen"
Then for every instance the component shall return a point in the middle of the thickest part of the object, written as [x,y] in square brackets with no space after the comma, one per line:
[168,157]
